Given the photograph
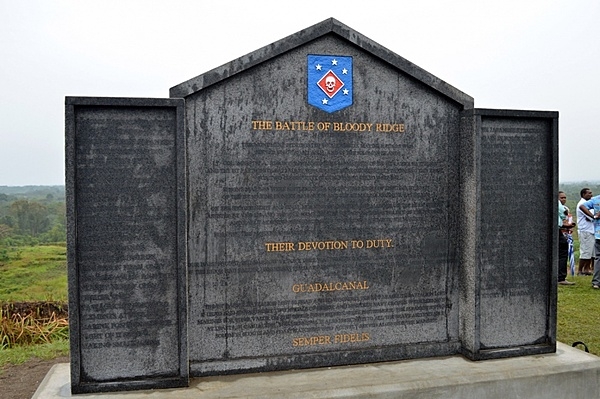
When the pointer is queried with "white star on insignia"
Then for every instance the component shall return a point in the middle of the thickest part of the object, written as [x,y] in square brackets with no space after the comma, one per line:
[345,71]
[346,92]
[334,62]
[318,67]
[325,101]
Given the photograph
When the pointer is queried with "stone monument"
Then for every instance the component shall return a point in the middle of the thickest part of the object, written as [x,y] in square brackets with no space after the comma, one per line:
[126,244]
[321,201]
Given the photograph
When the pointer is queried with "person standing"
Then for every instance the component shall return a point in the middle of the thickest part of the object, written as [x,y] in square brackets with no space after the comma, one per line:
[585,230]
[563,243]
[591,209]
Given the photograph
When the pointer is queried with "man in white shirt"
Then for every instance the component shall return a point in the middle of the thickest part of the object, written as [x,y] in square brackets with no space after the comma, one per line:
[585,230]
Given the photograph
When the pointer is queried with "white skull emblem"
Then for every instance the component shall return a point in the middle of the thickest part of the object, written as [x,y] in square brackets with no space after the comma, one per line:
[330,83]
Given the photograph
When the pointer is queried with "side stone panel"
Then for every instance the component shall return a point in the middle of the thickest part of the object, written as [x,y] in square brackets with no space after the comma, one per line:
[126,240]
[513,273]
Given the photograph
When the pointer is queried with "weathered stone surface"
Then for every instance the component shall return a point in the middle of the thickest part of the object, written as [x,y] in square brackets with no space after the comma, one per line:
[508,279]
[126,252]
[288,203]
[517,172]
[382,228]
[568,373]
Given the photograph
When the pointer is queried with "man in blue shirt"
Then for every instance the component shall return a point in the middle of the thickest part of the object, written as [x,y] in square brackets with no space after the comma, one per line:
[592,209]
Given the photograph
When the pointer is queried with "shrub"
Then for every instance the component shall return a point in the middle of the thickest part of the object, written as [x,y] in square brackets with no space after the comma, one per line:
[32,323]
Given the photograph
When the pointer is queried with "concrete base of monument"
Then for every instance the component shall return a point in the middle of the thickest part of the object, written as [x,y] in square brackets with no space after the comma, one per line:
[568,373]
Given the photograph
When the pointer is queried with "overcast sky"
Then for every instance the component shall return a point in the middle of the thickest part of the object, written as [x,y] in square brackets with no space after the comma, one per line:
[509,54]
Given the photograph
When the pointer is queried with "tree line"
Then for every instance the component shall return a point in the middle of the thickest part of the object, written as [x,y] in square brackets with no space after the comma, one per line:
[32,215]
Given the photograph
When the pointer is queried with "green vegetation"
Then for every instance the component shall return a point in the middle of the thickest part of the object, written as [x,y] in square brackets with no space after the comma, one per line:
[32,323]
[30,272]
[578,307]
[21,354]
[33,273]
[33,289]
[32,215]
[579,314]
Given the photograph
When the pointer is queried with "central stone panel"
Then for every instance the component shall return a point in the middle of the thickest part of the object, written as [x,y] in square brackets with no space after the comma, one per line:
[316,237]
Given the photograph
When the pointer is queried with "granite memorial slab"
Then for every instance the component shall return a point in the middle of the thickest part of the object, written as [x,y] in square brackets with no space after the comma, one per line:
[508,276]
[126,246]
[329,203]
[319,238]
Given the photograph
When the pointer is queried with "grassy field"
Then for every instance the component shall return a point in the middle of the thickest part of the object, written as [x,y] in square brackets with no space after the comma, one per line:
[21,354]
[579,313]
[40,274]
[33,273]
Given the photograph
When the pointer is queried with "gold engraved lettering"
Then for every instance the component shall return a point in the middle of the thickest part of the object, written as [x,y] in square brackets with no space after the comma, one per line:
[342,338]
[379,243]
[322,245]
[279,246]
[357,127]
[350,338]
[330,245]
[389,127]
[351,127]
[370,244]
[323,125]
[328,287]
[262,125]
[294,125]
[310,341]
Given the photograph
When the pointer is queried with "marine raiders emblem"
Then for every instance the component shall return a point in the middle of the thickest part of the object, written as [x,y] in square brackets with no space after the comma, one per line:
[329,82]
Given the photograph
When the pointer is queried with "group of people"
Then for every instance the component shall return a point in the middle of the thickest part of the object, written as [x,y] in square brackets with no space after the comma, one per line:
[588,229]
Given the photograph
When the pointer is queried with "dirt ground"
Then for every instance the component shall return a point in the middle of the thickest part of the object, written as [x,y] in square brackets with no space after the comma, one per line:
[21,381]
